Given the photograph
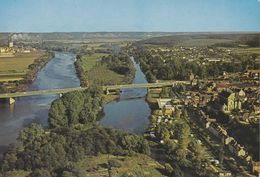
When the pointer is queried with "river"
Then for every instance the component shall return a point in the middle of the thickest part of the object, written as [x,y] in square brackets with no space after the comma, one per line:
[58,73]
[131,112]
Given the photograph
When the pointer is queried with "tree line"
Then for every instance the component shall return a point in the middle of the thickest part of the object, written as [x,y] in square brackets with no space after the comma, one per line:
[174,68]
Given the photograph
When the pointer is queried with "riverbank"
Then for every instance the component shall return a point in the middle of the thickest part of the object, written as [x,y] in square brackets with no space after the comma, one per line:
[96,69]
[21,84]
[59,72]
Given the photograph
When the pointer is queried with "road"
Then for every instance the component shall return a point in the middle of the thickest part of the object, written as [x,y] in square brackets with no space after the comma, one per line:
[110,87]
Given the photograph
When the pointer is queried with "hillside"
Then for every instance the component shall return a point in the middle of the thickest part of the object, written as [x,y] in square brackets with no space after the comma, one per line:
[206,39]
[79,36]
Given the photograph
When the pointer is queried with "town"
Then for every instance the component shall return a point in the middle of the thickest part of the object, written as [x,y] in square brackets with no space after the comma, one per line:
[222,112]
[131,88]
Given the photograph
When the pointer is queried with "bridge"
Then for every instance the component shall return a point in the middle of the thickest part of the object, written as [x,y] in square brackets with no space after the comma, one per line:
[106,89]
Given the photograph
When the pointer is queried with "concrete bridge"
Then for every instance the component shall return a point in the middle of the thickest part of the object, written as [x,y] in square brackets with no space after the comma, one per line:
[107,89]
[110,88]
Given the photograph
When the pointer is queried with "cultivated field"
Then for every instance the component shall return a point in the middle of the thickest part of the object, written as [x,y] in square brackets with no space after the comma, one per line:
[252,50]
[14,68]
[97,72]
[104,76]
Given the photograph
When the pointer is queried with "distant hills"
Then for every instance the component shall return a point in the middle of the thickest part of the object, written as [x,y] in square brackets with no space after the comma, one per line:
[154,38]
[206,39]
[79,36]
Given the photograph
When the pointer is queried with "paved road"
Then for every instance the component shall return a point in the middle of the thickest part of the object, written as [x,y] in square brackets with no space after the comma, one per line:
[65,90]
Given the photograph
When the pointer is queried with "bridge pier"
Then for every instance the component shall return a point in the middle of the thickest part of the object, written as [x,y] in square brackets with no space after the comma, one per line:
[11,101]
[112,91]
[107,91]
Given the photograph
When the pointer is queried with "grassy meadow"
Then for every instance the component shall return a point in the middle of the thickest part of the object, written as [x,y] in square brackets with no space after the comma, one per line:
[88,62]
[137,165]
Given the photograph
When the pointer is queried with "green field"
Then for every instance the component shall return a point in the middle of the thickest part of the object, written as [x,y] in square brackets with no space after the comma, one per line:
[104,76]
[202,42]
[17,173]
[88,62]
[252,50]
[14,68]
[95,72]
[137,165]
[96,166]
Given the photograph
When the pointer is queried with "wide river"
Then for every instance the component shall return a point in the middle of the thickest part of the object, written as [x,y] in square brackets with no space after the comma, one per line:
[130,113]
[58,73]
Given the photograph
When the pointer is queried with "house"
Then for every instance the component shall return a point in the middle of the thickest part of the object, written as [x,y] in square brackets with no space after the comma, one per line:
[195,99]
[210,87]
[217,130]
[236,148]
[224,173]
[227,139]
[253,73]
[248,158]
[213,59]
[256,168]
[230,101]
[164,103]
[251,117]
[194,82]
[204,98]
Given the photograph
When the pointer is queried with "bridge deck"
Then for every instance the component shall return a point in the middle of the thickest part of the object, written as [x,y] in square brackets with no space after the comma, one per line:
[145,85]
[65,90]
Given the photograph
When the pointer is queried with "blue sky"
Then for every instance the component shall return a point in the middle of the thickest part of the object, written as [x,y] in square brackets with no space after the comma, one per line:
[129,15]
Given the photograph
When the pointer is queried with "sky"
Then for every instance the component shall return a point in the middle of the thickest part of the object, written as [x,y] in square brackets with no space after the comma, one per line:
[129,15]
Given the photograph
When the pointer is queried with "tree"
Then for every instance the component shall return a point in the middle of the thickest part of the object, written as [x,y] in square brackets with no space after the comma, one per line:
[183,137]
[170,147]
[114,163]
[68,174]
[9,158]
[145,147]
[177,113]
[221,154]
[176,170]
[165,134]
[57,114]
[168,168]
[31,135]
[40,173]
[150,77]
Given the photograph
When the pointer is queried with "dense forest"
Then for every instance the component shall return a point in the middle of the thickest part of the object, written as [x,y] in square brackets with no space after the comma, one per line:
[77,108]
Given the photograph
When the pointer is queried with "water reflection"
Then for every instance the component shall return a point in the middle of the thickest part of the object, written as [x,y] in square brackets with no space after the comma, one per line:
[131,112]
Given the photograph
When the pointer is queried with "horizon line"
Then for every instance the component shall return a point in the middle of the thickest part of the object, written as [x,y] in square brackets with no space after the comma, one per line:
[130,31]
